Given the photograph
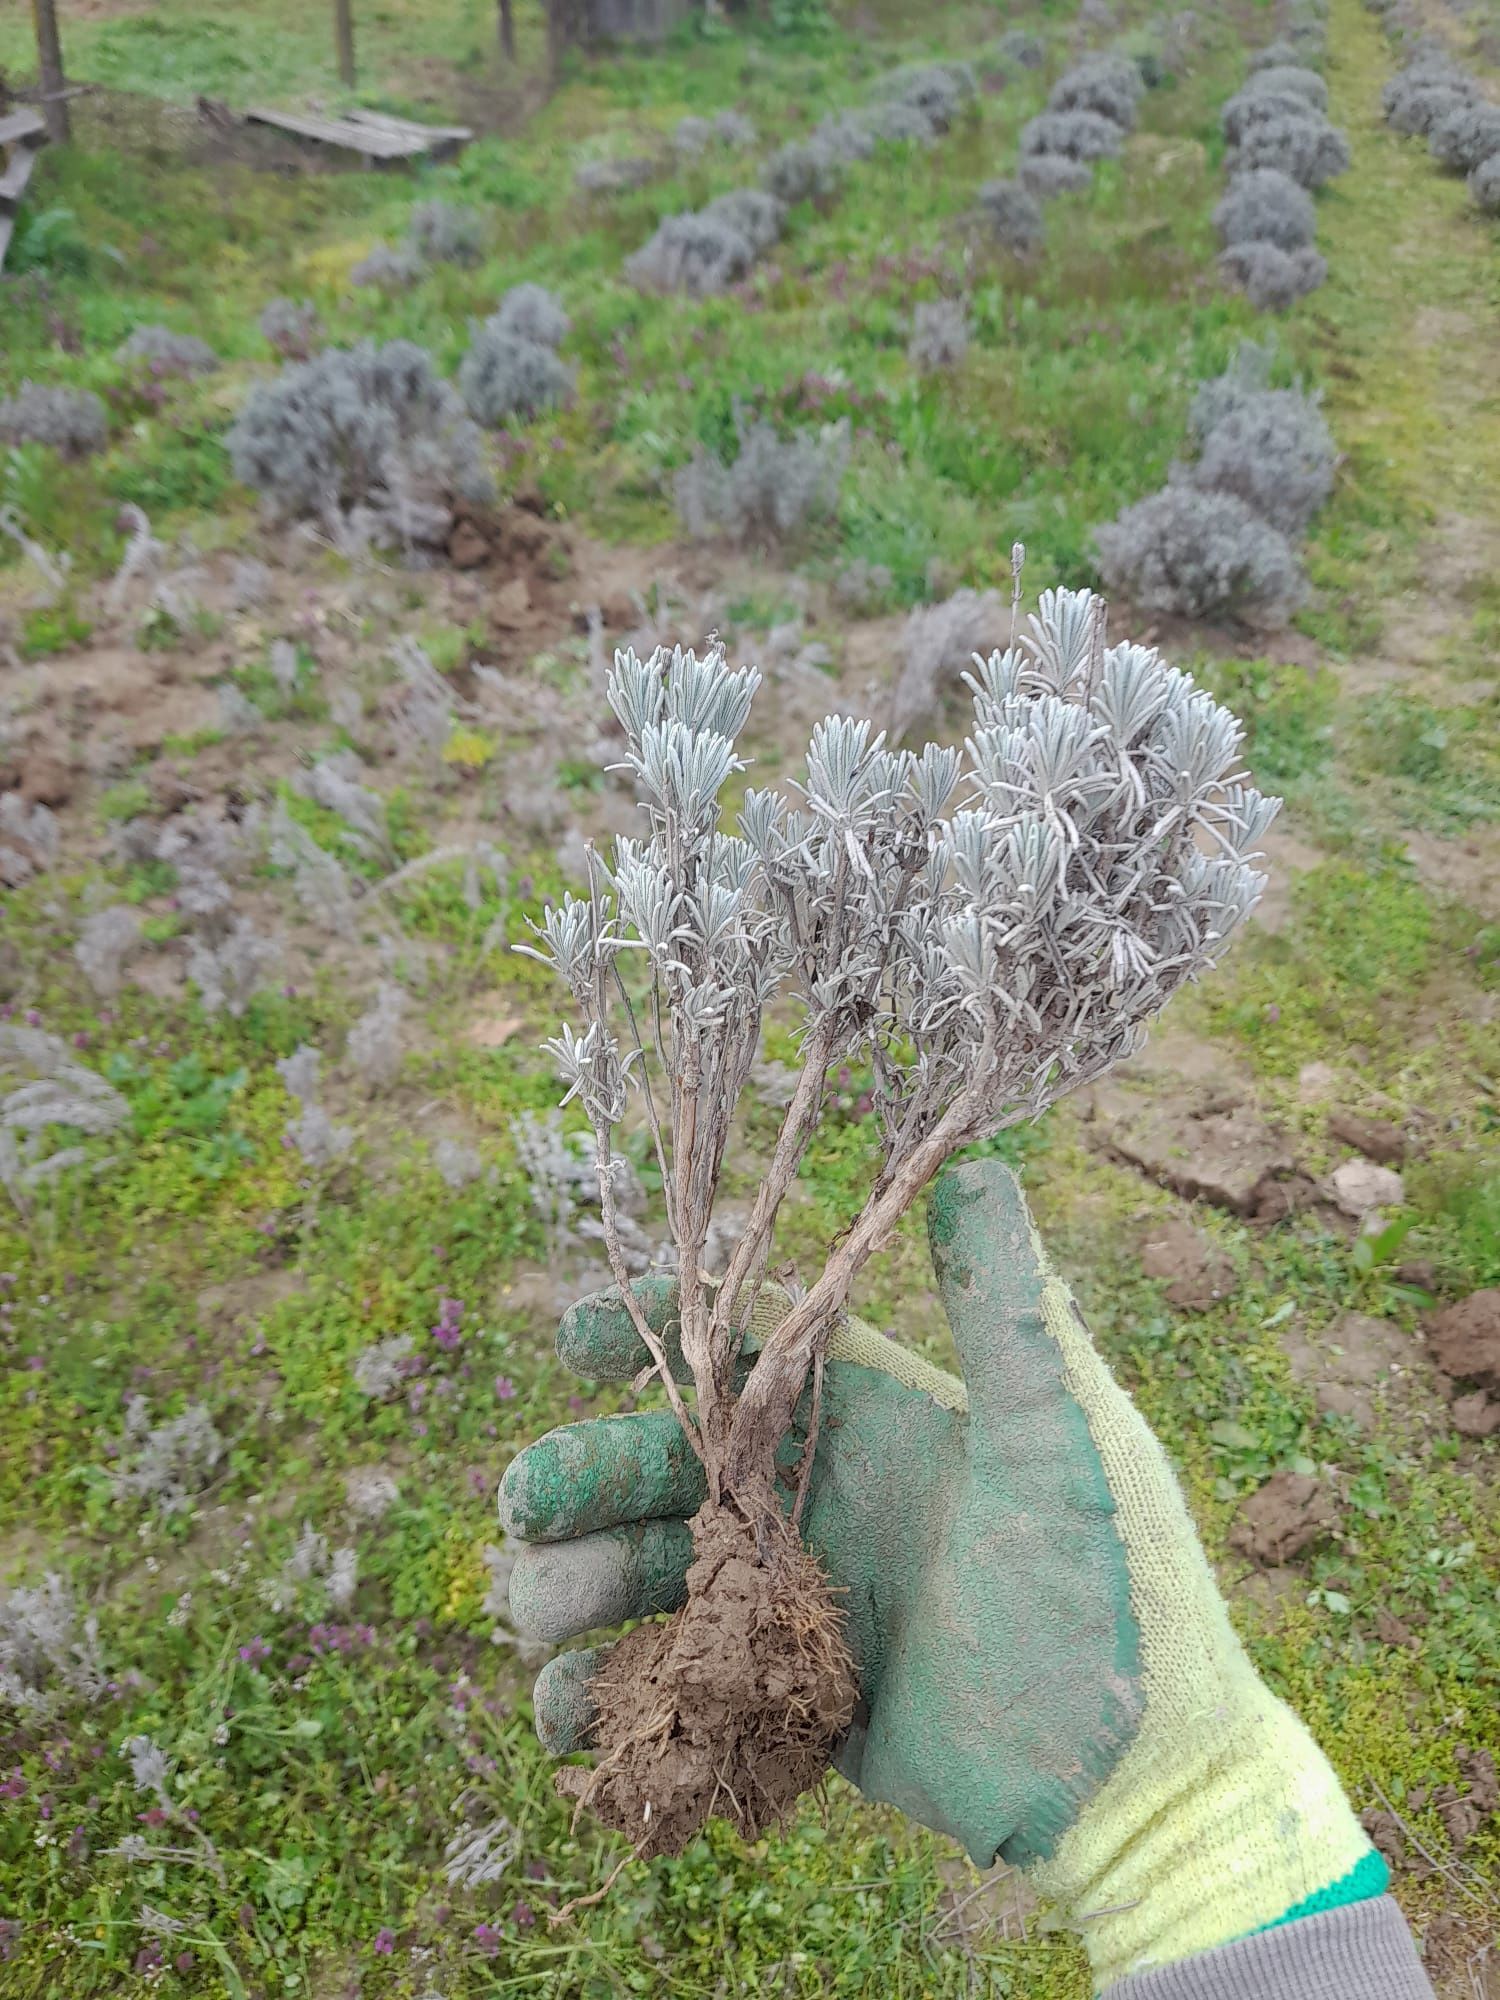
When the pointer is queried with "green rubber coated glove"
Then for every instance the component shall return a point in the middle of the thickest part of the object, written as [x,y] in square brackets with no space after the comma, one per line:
[1047,1669]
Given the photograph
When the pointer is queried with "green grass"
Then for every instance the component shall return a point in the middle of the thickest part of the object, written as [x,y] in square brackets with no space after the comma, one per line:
[205,1264]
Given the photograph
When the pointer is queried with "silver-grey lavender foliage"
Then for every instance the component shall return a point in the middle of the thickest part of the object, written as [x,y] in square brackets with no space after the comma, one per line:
[534,313]
[1048,174]
[1076,135]
[50,1103]
[292,327]
[229,971]
[1200,555]
[166,1463]
[938,643]
[1301,143]
[441,233]
[770,490]
[757,216]
[803,170]
[1463,138]
[389,267]
[376,1048]
[367,431]
[939,91]
[106,939]
[169,352]
[1271,278]
[504,374]
[985,928]
[29,839]
[1484,185]
[1012,209]
[1266,206]
[333,783]
[693,253]
[312,1134]
[1110,86]
[72,421]
[49,1654]
[1273,450]
[939,334]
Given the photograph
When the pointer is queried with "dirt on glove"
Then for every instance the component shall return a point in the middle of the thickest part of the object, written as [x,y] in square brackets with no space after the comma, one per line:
[732,1707]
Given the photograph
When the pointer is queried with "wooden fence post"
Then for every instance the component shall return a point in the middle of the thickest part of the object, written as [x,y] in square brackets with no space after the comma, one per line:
[49,64]
[343,36]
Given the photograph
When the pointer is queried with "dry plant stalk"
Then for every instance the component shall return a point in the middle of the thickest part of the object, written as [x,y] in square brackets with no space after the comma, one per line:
[984,929]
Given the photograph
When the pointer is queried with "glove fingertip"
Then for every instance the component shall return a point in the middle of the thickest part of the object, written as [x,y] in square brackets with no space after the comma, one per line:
[597,1338]
[563,1702]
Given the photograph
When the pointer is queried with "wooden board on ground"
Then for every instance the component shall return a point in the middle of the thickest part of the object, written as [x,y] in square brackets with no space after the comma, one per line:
[374,135]
[22,134]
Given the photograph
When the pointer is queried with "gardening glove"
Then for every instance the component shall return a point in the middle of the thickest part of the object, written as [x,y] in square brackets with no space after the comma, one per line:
[1047,1669]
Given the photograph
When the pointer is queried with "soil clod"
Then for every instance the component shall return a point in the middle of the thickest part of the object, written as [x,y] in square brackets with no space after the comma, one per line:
[733,1706]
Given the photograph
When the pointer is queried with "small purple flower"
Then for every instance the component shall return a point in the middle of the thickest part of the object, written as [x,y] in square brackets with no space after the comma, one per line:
[385,1940]
[449,1328]
[505,1389]
[13,1787]
[523,1916]
[487,1938]
[10,1937]
[254,1651]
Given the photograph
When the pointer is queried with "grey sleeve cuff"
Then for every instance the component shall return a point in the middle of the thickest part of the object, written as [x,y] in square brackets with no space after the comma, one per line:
[1360,1951]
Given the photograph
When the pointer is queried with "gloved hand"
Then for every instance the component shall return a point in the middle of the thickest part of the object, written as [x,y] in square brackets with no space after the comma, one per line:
[1048,1672]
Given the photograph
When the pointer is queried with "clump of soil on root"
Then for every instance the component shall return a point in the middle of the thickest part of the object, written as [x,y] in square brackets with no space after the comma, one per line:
[733,1706]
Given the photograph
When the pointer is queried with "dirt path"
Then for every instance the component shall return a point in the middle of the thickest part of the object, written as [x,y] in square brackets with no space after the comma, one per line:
[1413,343]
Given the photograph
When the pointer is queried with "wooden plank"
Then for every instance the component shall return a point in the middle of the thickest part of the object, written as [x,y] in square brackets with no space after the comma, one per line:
[337,132]
[17,174]
[23,124]
[386,121]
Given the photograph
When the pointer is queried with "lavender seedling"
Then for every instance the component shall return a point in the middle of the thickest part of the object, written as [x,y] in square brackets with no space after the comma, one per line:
[49,1656]
[984,929]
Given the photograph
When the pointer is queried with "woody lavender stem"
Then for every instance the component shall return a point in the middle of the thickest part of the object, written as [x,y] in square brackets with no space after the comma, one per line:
[767,1403]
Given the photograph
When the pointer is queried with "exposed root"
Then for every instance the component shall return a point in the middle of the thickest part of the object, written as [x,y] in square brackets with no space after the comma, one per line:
[733,1706]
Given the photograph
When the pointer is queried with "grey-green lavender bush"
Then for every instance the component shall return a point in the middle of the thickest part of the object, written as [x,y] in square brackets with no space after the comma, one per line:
[371,434]
[106,939]
[73,422]
[938,90]
[1300,143]
[168,352]
[1272,278]
[1484,185]
[1272,449]
[51,1103]
[292,327]
[1426,90]
[1266,206]
[1048,174]
[692,253]
[49,1653]
[773,487]
[803,170]
[1275,55]
[441,233]
[1200,555]
[1023,49]
[1290,79]
[1251,107]
[757,216]
[389,267]
[1463,138]
[534,313]
[938,643]
[165,1464]
[939,334]
[505,375]
[1110,86]
[1012,211]
[1076,135]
